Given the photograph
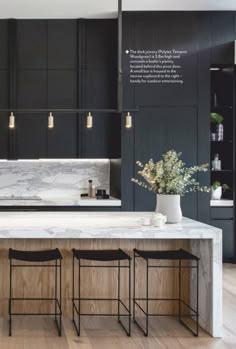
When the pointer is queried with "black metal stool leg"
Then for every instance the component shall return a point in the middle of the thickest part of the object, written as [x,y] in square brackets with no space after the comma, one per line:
[118,291]
[197,320]
[60,301]
[73,288]
[180,290]
[134,287]
[55,291]
[129,298]
[147,295]
[79,302]
[9,309]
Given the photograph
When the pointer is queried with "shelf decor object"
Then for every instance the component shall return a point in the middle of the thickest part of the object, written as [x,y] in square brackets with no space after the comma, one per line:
[89,120]
[50,120]
[12,120]
[218,119]
[170,179]
[216,190]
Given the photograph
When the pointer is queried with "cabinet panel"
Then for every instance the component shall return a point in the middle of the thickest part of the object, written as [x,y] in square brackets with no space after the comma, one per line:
[61,89]
[228,237]
[3,89]
[31,136]
[100,38]
[31,44]
[4,44]
[153,31]
[4,136]
[63,139]
[222,38]
[62,45]
[222,212]
[32,89]
[100,88]
[103,139]
[158,130]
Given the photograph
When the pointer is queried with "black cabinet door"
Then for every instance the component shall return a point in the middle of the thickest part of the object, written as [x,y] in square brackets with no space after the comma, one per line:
[62,44]
[157,31]
[4,44]
[103,139]
[63,139]
[32,89]
[222,37]
[31,132]
[98,87]
[61,89]
[4,89]
[158,130]
[31,44]
[30,129]
[227,227]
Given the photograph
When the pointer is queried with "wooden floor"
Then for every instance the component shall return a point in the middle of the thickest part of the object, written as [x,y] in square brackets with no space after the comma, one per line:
[105,333]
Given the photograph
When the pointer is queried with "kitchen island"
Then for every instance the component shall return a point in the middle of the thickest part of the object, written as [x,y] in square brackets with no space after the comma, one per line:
[105,230]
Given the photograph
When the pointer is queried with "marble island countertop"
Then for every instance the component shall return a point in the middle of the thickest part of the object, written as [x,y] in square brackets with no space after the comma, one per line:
[204,241]
[58,201]
[100,225]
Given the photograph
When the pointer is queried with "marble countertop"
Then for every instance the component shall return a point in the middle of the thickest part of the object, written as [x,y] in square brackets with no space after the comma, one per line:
[98,225]
[66,201]
[222,203]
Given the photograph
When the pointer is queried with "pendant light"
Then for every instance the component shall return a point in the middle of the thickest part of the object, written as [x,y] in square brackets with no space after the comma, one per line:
[128,120]
[11,121]
[50,120]
[89,120]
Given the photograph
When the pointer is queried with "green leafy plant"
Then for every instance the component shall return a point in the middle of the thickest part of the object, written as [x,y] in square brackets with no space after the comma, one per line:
[216,118]
[216,184]
[170,175]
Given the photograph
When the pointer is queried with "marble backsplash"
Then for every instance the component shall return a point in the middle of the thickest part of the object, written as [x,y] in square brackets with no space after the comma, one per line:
[52,179]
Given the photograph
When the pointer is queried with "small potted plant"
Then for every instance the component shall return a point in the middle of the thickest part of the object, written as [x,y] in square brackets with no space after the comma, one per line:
[170,179]
[217,189]
[217,119]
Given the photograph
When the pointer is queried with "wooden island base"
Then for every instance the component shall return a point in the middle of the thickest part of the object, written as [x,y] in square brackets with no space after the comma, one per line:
[100,282]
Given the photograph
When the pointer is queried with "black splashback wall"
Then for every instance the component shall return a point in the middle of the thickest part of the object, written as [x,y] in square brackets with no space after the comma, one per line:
[173,115]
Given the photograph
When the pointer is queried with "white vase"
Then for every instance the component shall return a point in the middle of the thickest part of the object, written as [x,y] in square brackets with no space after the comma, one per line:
[169,205]
[216,194]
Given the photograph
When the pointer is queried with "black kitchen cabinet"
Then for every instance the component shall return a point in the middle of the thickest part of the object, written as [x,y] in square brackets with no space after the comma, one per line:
[59,64]
[103,140]
[154,135]
[62,140]
[62,44]
[31,135]
[31,44]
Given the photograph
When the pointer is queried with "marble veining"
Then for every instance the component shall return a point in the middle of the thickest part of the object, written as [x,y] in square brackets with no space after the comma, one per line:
[51,181]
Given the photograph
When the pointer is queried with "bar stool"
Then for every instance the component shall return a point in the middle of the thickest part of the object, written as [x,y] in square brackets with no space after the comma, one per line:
[34,257]
[178,255]
[102,256]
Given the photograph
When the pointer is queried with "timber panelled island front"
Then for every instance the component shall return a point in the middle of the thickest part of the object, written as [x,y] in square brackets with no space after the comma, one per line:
[112,230]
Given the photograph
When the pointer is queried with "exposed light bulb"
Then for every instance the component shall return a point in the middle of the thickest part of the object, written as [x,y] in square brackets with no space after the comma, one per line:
[128,120]
[89,120]
[50,120]
[11,121]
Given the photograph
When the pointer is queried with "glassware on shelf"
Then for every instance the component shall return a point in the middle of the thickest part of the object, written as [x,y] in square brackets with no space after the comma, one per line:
[216,163]
[219,132]
[213,136]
